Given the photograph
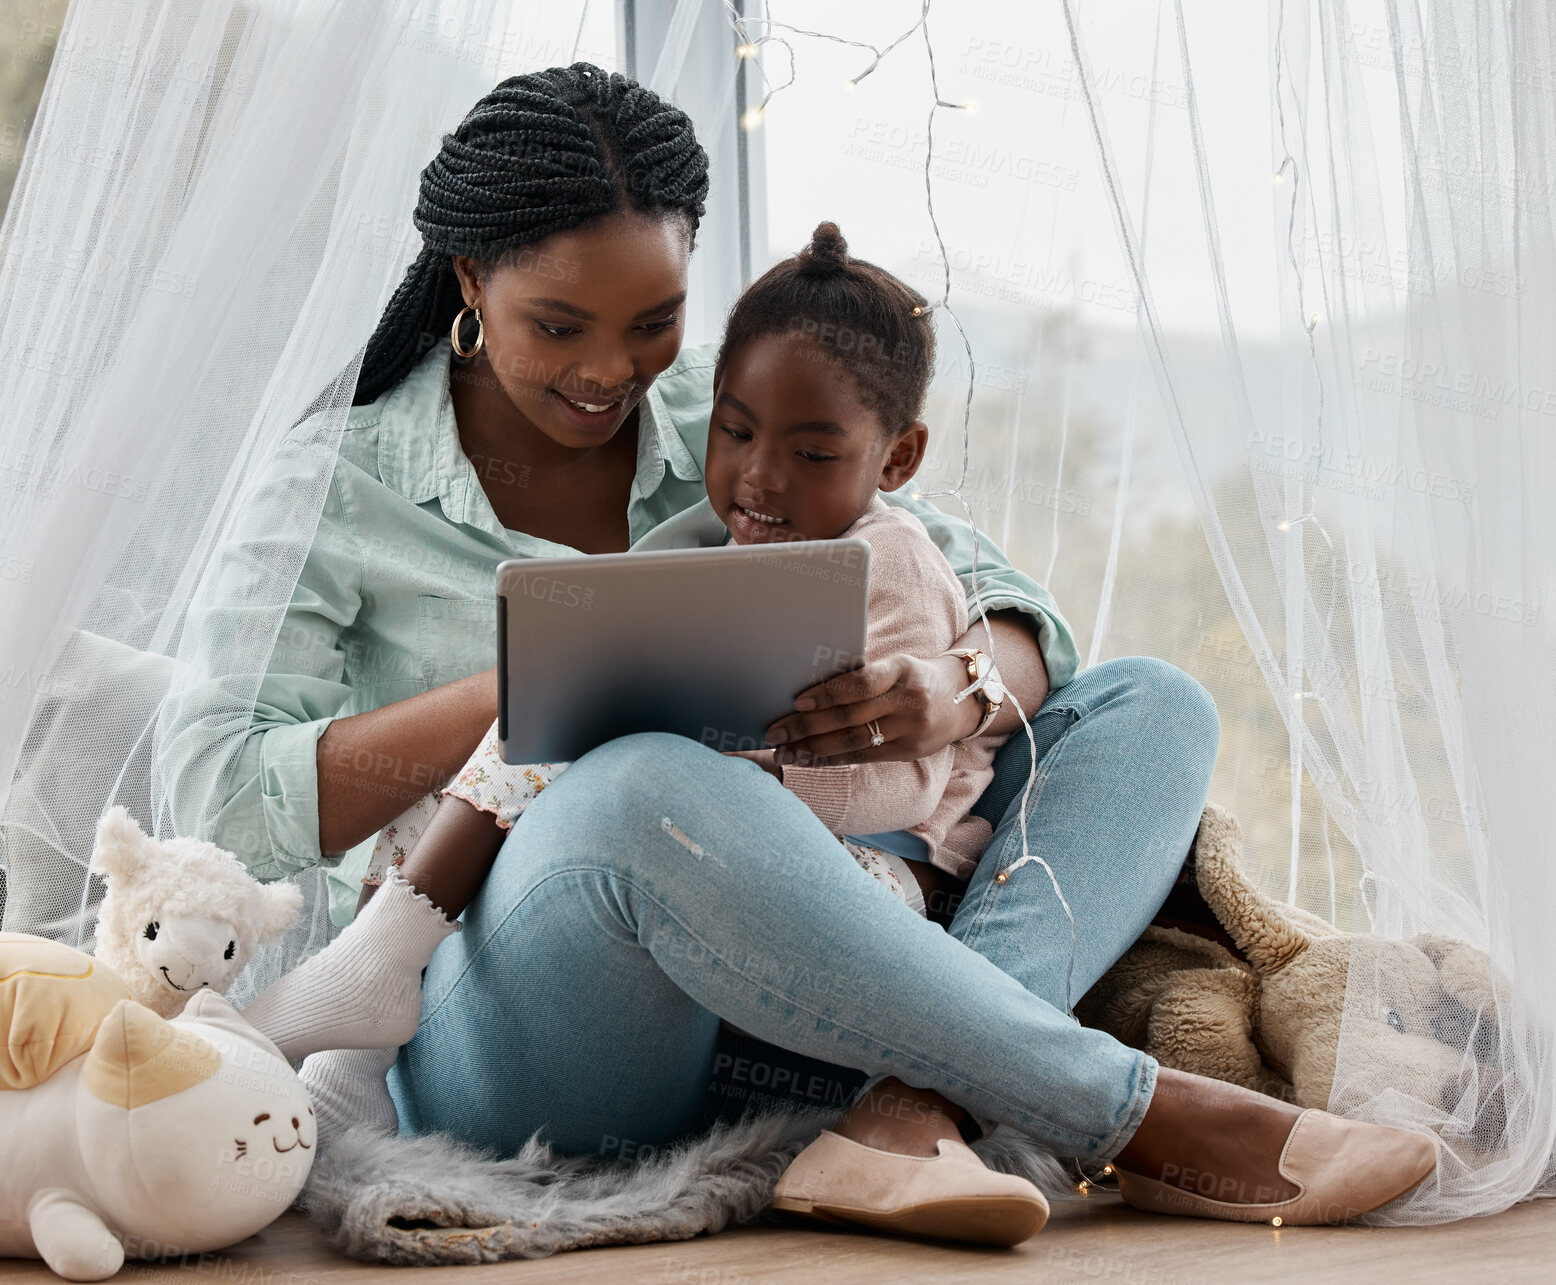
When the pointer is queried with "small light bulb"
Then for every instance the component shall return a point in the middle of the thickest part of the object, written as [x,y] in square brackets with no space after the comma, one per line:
[1084,1188]
[745,51]
[1279,176]
[1275,1221]
[850,85]
[1313,321]
[1108,1170]
[751,119]
[971,107]
[1283,526]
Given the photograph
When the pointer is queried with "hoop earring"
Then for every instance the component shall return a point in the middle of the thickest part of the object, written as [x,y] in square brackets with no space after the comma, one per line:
[480,331]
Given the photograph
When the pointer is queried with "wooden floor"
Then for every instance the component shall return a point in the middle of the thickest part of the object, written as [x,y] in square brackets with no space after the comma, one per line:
[1095,1240]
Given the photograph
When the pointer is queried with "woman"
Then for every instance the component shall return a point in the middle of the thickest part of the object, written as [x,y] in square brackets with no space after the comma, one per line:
[657,887]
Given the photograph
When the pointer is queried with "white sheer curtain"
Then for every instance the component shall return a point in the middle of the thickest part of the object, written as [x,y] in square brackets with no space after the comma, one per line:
[1261,302]
[213,209]
[1386,542]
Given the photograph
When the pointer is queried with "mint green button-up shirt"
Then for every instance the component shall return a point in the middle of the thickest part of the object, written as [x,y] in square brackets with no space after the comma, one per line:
[397,596]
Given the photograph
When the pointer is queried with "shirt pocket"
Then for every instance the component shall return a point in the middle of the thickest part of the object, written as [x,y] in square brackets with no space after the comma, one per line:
[458,637]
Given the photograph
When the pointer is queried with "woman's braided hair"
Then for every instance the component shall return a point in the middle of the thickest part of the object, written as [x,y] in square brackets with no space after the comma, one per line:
[541,153]
[872,324]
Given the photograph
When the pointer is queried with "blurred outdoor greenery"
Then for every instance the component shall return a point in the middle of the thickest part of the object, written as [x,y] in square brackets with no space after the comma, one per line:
[1051,502]
[29,31]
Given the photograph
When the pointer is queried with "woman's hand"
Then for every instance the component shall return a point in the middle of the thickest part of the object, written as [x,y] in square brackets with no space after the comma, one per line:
[762,758]
[911,700]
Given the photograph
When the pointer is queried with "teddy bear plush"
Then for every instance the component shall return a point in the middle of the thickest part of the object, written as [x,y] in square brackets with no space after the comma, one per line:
[1255,992]
[180,915]
[127,1135]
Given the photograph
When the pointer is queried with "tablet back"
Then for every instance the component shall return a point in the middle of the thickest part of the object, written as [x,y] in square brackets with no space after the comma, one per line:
[711,643]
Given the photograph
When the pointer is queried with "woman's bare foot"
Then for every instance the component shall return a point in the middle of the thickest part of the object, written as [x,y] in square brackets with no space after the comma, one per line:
[1217,1139]
[906,1121]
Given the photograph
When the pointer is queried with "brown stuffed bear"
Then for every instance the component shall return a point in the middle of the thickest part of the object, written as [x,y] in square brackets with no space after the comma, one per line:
[1255,993]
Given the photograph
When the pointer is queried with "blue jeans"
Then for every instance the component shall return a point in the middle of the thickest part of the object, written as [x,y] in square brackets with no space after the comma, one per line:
[656,887]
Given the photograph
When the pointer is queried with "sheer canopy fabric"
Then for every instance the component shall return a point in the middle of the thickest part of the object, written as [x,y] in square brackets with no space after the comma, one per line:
[212,212]
[1329,224]
[1387,542]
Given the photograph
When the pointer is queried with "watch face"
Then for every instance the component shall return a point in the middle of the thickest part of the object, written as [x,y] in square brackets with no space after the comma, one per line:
[981,664]
[995,691]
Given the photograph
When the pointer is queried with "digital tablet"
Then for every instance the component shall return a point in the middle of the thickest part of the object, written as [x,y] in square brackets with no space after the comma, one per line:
[711,643]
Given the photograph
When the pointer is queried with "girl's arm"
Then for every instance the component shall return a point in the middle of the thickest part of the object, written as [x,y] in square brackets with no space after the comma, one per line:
[452,858]
[1029,647]
[921,692]
[916,608]
[925,687]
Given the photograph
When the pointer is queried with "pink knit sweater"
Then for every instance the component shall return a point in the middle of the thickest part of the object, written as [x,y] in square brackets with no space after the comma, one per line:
[916,606]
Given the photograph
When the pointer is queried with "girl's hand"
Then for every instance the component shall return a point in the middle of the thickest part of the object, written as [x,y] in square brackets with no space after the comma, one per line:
[911,700]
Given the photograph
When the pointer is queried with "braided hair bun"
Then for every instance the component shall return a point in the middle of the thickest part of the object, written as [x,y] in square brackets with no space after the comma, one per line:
[827,252]
[540,153]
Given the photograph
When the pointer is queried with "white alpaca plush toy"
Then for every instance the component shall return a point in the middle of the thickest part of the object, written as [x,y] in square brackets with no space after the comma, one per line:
[128,1136]
[180,915]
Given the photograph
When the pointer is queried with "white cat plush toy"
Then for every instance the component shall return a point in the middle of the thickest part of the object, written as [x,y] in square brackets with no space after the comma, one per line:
[128,1135]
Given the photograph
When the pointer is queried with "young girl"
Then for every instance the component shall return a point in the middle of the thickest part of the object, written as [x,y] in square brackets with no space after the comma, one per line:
[818,385]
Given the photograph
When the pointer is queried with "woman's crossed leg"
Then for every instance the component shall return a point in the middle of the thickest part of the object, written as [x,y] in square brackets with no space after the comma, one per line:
[637,904]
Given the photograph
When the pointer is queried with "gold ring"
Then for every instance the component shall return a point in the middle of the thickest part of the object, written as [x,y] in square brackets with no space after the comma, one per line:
[875,733]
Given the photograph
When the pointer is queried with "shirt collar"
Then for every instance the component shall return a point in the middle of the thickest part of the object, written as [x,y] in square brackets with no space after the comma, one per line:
[418,442]
[423,463]
[660,443]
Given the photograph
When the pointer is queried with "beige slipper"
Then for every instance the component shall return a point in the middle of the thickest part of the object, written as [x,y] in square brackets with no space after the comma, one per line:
[1341,1169]
[950,1196]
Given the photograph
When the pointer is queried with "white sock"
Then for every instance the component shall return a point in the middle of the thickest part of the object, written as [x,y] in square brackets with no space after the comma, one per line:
[363,990]
[347,1087]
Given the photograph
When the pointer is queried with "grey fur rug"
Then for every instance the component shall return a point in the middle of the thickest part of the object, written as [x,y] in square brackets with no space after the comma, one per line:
[431,1200]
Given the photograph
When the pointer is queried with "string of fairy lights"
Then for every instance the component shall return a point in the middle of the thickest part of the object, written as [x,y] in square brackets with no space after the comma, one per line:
[1308,515]
[752,34]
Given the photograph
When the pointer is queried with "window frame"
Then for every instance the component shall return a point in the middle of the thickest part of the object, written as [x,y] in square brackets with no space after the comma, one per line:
[732,238]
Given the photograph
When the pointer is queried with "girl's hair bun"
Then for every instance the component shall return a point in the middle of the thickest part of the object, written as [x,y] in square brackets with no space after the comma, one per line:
[855,311]
[827,252]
